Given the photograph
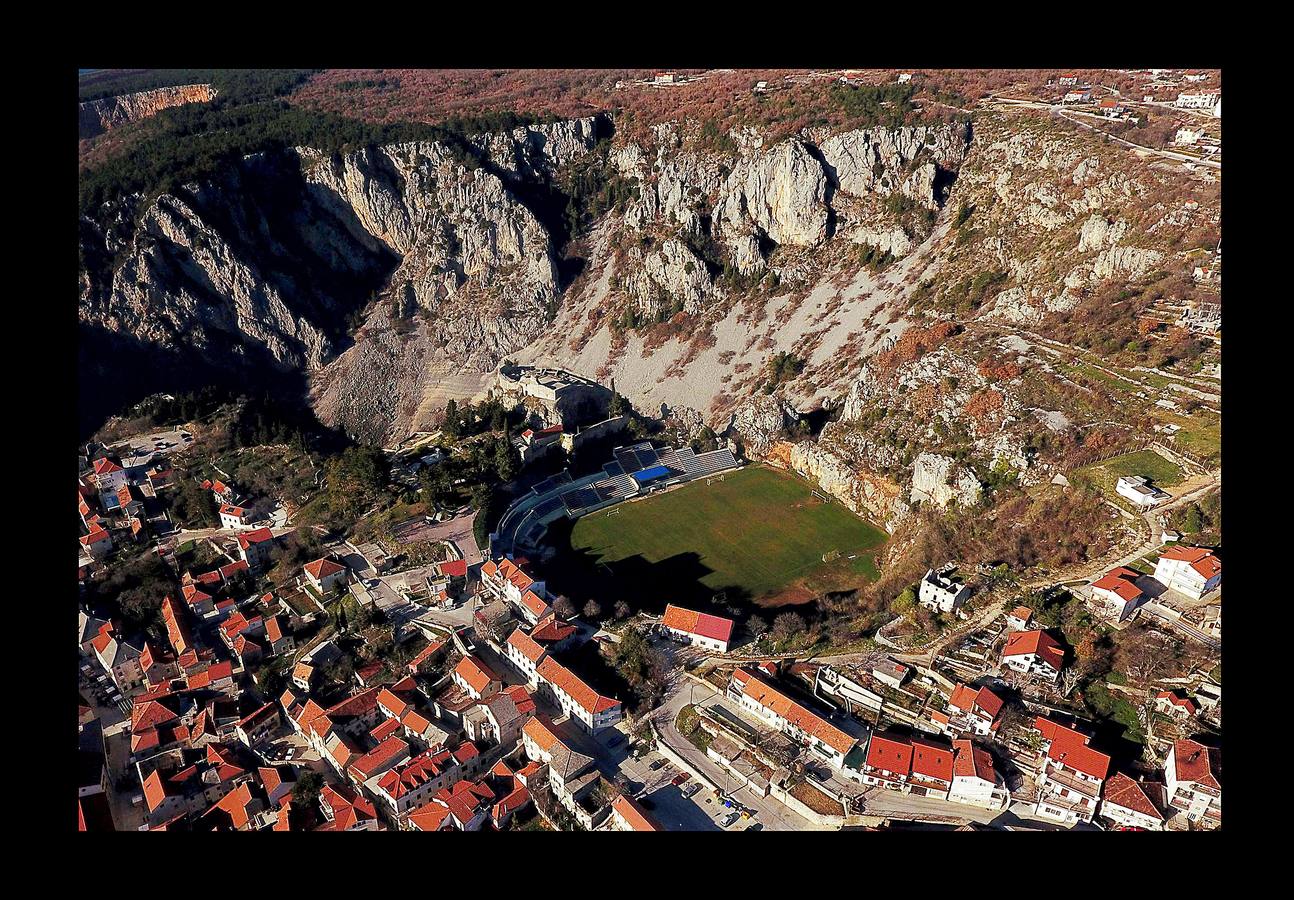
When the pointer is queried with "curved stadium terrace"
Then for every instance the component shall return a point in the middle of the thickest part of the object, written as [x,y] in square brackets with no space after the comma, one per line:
[634,471]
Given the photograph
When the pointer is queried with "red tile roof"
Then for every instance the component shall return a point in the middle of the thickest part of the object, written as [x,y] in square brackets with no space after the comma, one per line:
[1069,748]
[526,646]
[889,754]
[1195,762]
[255,536]
[770,697]
[1121,581]
[561,677]
[475,673]
[322,568]
[381,755]
[1040,643]
[970,761]
[104,466]
[701,624]
[1121,790]
[454,568]
[1200,559]
[633,814]
[932,760]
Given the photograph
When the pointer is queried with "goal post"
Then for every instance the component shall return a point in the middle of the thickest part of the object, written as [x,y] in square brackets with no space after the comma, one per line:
[830,555]
[817,495]
[720,597]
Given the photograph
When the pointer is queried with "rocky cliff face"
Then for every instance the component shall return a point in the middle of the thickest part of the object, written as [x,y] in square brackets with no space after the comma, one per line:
[268,263]
[397,277]
[98,116]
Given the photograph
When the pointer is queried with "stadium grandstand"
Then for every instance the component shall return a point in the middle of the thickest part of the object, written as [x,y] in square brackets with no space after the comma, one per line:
[635,468]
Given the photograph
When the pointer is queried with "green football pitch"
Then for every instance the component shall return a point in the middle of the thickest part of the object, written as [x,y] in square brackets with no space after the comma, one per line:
[758,530]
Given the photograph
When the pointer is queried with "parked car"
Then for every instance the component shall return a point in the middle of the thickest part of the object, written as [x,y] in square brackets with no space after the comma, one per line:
[756,826]
[729,819]
[656,765]
[680,778]
[690,790]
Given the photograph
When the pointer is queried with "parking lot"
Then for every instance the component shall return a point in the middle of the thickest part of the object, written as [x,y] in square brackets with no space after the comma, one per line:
[678,801]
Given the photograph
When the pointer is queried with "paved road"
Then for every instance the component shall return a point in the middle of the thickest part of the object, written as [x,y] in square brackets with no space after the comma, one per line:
[1060,112]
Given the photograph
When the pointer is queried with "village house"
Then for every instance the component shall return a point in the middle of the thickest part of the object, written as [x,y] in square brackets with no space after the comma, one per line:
[1034,653]
[1115,595]
[473,676]
[1133,804]
[120,660]
[942,592]
[1198,100]
[412,783]
[108,476]
[976,781]
[1068,80]
[525,654]
[974,711]
[234,516]
[891,673]
[583,704]
[98,543]
[1073,772]
[932,769]
[345,810]
[626,815]
[1019,618]
[571,774]
[1175,703]
[257,726]
[1193,571]
[1193,778]
[499,719]
[1078,95]
[696,628]
[254,546]
[888,762]
[507,580]
[805,727]
[325,575]
[1139,491]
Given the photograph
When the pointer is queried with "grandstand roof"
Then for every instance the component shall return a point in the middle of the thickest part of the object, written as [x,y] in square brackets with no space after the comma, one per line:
[650,474]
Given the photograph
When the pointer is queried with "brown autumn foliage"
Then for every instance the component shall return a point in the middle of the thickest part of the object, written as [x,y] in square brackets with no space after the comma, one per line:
[913,344]
[999,371]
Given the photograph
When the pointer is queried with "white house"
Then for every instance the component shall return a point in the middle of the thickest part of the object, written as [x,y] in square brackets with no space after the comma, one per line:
[974,711]
[767,702]
[696,628]
[976,782]
[234,516]
[1070,787]
[108,475]
[325,574]
[1139,491]
[1019,618]
[1078,95]
[583,704]
[98,543]
[1199,100]
[525,653]
[508,581]
[472,676]
[1033,653]
[1115,594]
[940,591]
[1193,777]
[1133,804]
[1193,571]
